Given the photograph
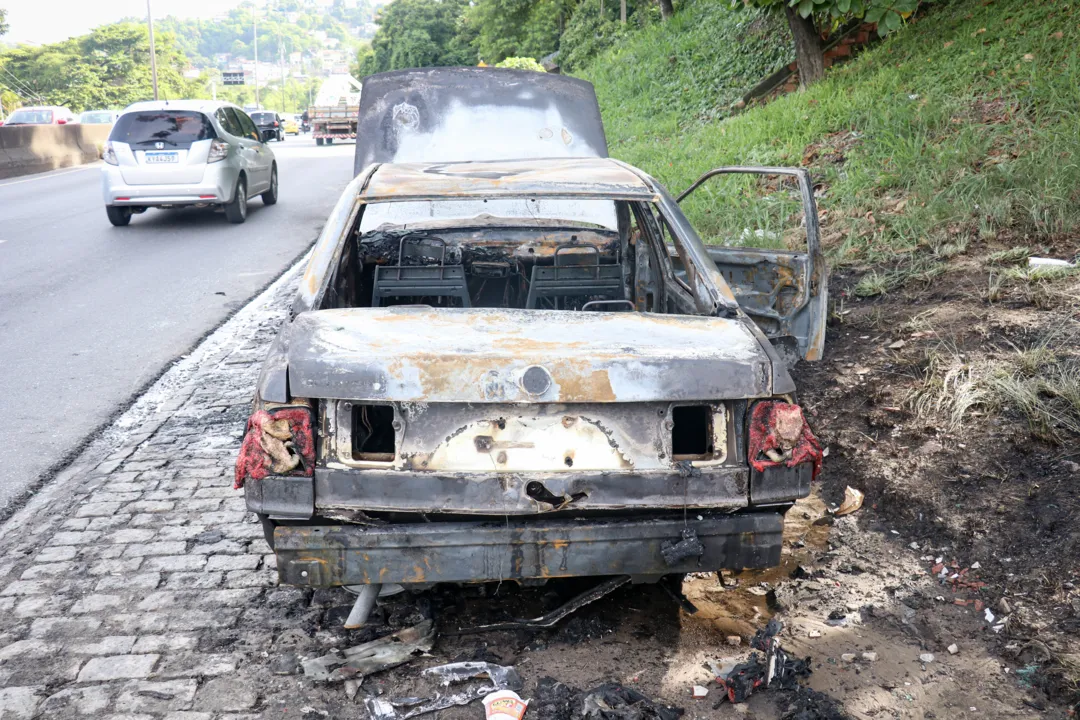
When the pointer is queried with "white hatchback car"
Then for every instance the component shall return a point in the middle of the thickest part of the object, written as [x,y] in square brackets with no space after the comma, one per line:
[182,153]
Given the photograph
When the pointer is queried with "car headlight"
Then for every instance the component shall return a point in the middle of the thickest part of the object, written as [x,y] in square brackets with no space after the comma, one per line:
[109,155]
[219,150]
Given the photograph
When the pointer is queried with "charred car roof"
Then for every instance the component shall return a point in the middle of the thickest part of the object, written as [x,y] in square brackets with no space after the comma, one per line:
[549,177]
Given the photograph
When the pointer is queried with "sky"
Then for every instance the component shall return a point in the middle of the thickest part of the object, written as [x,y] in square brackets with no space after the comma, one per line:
[48,21]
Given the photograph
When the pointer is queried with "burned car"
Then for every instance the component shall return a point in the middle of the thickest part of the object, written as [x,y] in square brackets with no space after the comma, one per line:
[512,358]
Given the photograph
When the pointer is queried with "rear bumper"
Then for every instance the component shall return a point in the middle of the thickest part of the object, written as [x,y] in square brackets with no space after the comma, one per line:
[520,549]
[218,181]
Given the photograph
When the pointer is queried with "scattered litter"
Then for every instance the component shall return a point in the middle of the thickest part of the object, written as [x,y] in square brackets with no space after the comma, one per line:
[926,657]
[550,619]
[1004,606]
[897,345]
[848,657]
[502,678]
[776,669]
[699,691]
[1049,262]
[757,590]
[953,649]
[975,566]
[988,615]
[733,640]
[504,705]
[814,634]
[869,656]
[612,701]
[853,500]
[371,657]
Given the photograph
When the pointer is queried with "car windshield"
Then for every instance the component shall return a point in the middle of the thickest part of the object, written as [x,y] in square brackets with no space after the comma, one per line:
[96,118]
[30,117]
[263,117]
[174,128]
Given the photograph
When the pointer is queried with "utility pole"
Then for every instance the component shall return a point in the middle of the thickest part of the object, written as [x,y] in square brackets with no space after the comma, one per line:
[255,29]
[153,55]
[213,87]
[281,65]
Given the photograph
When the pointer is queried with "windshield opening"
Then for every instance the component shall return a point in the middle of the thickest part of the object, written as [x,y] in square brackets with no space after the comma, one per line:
[173,128]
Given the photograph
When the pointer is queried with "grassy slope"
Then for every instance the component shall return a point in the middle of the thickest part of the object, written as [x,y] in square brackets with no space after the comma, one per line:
[668,77]
[972,114]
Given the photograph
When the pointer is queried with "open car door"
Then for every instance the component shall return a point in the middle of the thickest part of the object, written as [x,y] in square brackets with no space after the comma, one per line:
[784,290]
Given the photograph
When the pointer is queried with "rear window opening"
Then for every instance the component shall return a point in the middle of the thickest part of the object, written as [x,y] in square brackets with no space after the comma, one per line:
[172,128]
[692,432]
[373,433]
[263,118]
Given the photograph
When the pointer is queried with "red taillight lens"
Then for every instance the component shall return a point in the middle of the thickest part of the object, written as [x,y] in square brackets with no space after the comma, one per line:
[780,435]
[279,441]
[275,123]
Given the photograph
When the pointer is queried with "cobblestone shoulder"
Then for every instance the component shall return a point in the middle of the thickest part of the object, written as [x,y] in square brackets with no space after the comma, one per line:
[137,585]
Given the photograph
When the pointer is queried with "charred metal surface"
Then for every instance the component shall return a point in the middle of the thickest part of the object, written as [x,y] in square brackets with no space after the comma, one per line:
[780,484]
[520,549]
[786,292]
[563,177]
[507,494]
[533,438]
[475,114]
[281,497]
[479,355]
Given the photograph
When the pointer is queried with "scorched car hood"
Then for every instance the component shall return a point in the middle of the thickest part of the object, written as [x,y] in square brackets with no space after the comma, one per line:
[418,354]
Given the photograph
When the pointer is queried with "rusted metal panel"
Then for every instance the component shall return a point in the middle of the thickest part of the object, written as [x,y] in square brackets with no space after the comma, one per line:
[455,114]
[420,354]
[786,292]
[521,549]
[533,438]
[559,177]
[495,493]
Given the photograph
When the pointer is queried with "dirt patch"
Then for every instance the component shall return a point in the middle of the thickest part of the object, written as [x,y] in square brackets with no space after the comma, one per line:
[940,403]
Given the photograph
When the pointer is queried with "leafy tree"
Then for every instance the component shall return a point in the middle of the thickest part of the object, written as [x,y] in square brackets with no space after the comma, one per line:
[806,17]
[3,23]
[108,68]
[521,63]
[529,28]
[418,33]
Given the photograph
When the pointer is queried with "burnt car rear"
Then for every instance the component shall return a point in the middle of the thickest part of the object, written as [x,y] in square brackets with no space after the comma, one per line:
[528,368]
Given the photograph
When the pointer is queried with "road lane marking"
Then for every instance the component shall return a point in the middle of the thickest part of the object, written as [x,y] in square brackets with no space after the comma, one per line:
[46,176]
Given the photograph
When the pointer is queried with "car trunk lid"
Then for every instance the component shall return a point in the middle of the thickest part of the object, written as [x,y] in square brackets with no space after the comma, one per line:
[420,354]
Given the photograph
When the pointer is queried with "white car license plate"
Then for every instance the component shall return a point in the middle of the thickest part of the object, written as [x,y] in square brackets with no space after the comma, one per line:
[162,157]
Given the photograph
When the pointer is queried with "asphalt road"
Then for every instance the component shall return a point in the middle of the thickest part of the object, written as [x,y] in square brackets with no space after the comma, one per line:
[90,313]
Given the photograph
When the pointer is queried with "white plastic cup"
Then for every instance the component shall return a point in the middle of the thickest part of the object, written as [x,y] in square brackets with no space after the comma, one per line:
[504,705]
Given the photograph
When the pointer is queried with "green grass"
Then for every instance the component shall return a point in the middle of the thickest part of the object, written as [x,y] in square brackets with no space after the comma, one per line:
[971,115]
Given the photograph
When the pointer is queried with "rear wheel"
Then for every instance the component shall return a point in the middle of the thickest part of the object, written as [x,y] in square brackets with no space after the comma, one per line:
[329,141]
[118,216]
[318,141]
[236,211]
[270,196]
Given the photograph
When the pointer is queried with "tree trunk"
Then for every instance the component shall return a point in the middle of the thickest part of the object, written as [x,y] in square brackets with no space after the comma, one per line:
[622,11]
[666,9]
[808,53]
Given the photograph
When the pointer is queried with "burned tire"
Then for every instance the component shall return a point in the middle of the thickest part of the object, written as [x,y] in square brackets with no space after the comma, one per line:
[236,210]
[270,196]
[118,216]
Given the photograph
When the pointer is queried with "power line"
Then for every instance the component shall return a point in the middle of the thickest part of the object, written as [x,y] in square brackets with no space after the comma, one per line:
[23,88]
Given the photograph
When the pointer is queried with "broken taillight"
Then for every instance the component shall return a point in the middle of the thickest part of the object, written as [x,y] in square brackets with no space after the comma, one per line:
[278,441]
[780,435]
